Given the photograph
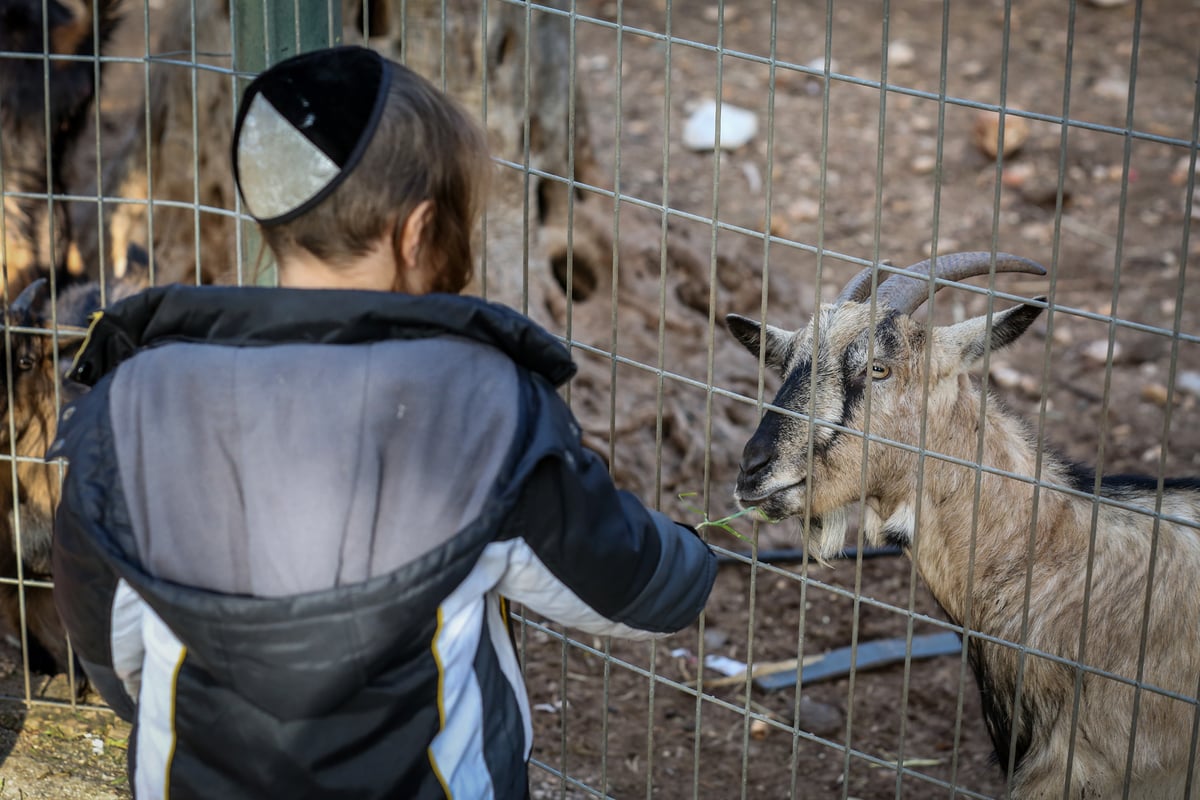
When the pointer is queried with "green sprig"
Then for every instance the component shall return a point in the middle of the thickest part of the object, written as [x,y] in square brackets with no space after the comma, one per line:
[724,522]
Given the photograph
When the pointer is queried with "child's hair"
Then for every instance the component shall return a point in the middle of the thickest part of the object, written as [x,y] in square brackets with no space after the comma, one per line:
[425,148]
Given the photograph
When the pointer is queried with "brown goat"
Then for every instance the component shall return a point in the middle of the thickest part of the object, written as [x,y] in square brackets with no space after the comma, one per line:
[974,548]
[32,394]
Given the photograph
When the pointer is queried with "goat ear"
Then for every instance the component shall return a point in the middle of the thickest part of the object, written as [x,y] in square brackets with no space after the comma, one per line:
[969,340]
[32,298]
[749,332]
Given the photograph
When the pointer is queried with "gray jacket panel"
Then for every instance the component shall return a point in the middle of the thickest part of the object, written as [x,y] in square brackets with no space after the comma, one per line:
[277,496]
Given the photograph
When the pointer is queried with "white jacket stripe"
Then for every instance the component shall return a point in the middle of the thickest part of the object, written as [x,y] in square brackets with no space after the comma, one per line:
[509,665]
[126,637]
[457,749]
[156,707]
[527,580]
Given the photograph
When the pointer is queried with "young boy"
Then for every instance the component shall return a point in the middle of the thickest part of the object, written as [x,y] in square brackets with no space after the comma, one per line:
[292,516]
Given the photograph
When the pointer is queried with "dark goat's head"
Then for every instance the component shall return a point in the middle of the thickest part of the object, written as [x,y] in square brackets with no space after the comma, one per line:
[29,375]
[829,367]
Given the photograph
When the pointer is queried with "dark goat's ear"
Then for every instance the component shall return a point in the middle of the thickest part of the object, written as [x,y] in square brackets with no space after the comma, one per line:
[749,333]
[32,298]
[1008,326]
[974,337]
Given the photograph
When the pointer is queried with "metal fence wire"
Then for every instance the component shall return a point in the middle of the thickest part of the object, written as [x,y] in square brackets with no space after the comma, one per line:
[1006,605]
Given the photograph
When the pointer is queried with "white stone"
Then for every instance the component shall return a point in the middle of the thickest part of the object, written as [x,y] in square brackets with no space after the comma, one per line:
[1097,352]
[944,245]
[1112,89]
[1004,375]
[901,54]
[818,64]
[972,69]
[738,126]
[1188,382]
[804,209]
[1181,169]
[753,177]
[717,14]
[923,164]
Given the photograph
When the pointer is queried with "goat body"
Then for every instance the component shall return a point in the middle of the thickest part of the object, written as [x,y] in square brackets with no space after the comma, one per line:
[978,547]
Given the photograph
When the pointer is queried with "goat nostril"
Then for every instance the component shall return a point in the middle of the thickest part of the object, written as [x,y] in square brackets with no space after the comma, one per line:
[754,459]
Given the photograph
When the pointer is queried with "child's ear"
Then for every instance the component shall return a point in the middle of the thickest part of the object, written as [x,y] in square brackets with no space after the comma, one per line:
[410,233]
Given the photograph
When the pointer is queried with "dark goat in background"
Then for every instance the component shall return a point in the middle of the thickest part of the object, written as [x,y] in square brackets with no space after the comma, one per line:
[43,109]
[32,395]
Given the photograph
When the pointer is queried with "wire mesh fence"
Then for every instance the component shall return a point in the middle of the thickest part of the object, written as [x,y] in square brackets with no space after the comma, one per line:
[660,165]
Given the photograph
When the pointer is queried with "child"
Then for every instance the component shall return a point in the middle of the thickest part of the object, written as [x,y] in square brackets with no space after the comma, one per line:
[292,516]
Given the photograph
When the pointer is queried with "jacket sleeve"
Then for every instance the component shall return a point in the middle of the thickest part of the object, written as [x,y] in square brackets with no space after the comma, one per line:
[590,556]
[100,612]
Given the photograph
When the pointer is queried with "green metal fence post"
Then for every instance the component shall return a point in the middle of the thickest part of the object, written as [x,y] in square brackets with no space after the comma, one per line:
[266,32]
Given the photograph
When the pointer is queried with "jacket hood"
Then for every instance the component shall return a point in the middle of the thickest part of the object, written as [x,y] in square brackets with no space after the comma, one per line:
[302,656]
[248,316]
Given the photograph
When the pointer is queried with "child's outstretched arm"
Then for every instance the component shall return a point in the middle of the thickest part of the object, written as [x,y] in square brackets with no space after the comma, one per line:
[587,555]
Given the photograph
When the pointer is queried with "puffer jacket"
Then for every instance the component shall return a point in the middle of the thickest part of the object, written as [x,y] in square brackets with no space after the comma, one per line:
[292,522]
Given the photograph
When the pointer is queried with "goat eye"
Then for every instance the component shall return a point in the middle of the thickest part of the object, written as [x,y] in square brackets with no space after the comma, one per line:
[880,371]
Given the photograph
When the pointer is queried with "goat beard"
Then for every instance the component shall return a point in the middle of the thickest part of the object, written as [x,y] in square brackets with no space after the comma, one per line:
[826,536]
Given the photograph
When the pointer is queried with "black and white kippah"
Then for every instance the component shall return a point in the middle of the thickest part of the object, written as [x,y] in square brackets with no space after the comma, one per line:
[303,126]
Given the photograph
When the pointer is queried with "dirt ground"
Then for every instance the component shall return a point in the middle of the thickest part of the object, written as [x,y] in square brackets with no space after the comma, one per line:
[604,723]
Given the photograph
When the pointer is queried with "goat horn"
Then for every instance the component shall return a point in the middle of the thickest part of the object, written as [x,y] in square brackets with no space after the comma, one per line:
[31,296]
[859,287]
[905,293]
[857,290]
